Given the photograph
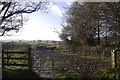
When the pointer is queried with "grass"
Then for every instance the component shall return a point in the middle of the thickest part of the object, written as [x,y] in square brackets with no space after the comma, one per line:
[70,76]
[15,71]
[87,56]
[107,74]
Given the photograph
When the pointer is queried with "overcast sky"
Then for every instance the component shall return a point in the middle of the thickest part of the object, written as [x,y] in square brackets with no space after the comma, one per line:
[40,26]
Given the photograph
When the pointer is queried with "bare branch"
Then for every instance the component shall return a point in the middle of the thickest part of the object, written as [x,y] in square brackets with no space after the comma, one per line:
[11,14]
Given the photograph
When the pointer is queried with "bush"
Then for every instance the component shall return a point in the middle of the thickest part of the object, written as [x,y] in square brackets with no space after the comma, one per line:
[69,76]
[107,74]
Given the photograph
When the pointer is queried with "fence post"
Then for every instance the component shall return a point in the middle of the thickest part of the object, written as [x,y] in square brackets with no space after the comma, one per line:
[114,59]
[104,52]
[53,71]
[29,59]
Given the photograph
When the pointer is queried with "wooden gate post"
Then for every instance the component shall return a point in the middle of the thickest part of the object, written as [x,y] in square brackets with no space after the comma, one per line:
[114,58]
[29,59]
[0,60]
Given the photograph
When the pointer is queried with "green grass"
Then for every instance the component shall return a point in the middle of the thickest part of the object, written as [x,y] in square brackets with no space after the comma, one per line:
[107,74]
[69,76]
[87,56]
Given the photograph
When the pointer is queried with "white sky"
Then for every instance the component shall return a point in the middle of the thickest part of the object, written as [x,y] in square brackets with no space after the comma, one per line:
[40,26]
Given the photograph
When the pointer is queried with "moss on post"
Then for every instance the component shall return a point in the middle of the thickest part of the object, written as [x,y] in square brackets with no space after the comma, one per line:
[114,58]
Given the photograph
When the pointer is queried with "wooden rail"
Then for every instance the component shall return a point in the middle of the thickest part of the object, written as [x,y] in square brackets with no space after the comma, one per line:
[14,52]
[7,55]
[23,65]
[16,58]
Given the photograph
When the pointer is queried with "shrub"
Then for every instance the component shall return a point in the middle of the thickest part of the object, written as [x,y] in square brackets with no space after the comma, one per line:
[69,76]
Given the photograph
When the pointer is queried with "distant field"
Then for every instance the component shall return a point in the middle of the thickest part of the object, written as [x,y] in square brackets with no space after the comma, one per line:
[33,44]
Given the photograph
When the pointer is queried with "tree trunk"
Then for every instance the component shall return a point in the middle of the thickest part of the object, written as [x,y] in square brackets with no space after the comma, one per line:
[98,34]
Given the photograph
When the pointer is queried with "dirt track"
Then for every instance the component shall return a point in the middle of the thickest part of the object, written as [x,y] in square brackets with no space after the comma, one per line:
[47,63]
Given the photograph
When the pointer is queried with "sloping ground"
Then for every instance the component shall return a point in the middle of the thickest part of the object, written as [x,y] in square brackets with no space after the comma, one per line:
[43,64]
[50,63]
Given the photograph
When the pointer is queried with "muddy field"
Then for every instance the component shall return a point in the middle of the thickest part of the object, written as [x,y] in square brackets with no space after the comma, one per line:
[48,63]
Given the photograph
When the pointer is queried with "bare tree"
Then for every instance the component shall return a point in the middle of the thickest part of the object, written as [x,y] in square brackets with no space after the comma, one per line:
[11,14]
[92,23]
